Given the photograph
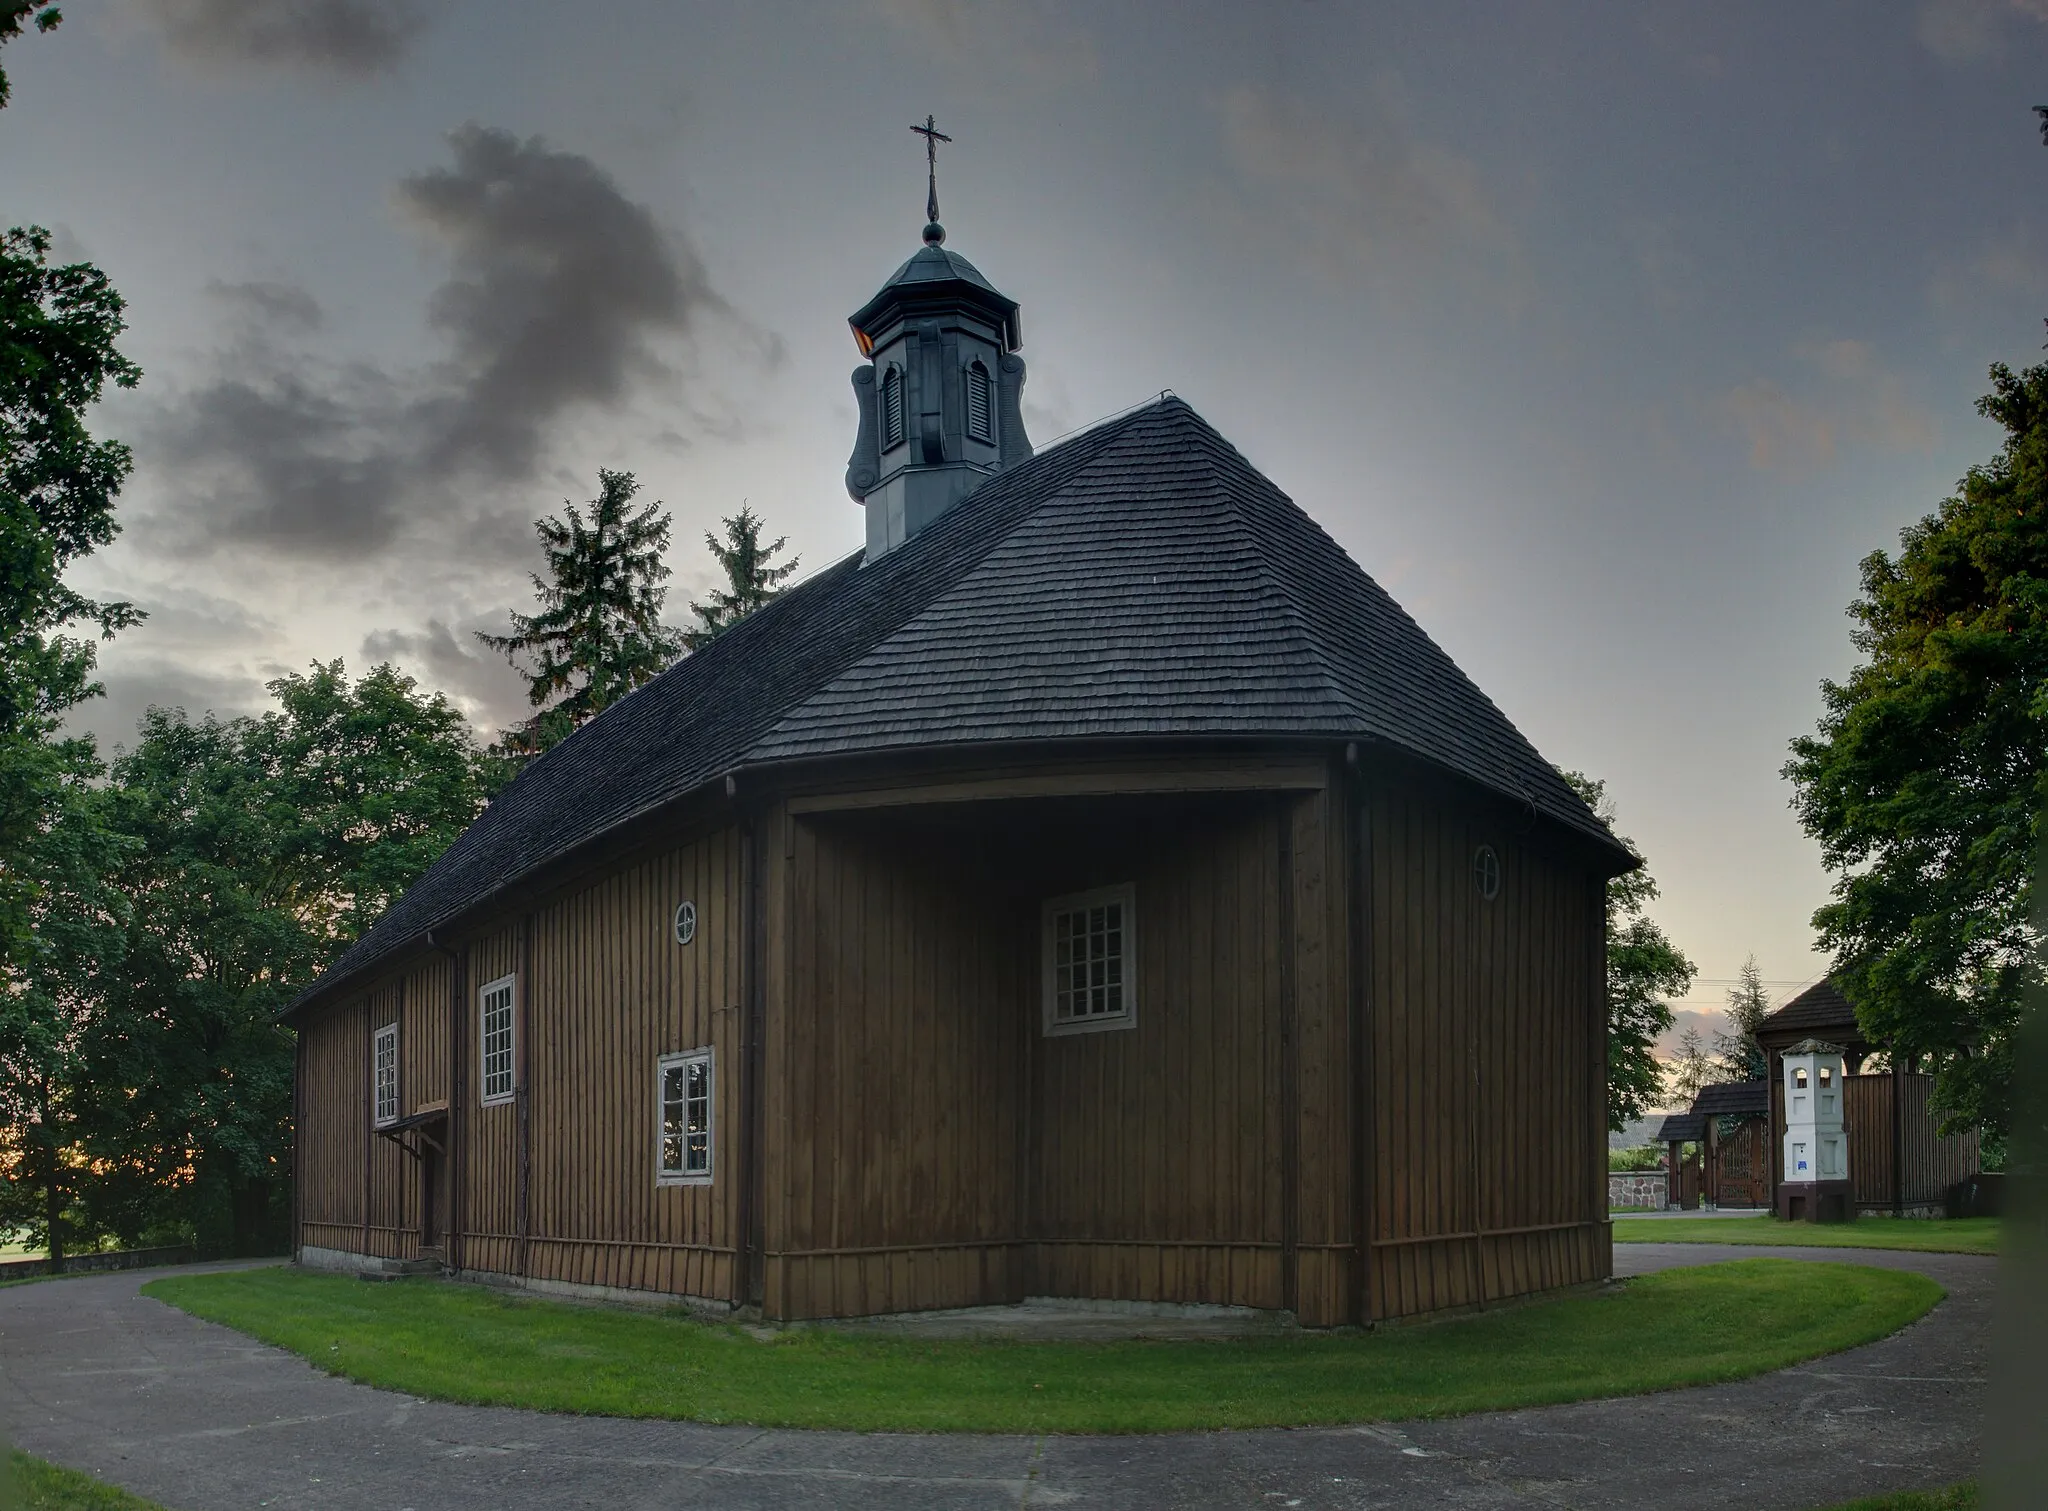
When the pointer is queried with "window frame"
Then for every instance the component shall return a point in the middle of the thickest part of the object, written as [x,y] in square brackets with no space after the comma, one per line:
[510,985]
[377,1116]
[663,1176]
[1126,895]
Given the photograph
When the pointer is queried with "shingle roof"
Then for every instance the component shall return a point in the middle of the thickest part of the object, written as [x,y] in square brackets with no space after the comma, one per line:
[1820,1007]
[1141,579]
[1733,1099]
[1682,1128]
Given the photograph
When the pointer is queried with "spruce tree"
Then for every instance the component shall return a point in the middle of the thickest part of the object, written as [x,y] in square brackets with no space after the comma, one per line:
[751,578]
[1740,1056]
[599,633]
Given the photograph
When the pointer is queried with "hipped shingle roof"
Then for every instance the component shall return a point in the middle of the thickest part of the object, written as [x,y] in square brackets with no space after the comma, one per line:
[1141,579]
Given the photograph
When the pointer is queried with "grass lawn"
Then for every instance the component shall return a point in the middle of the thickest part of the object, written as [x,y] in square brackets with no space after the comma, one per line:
[40,1486]
[1927,1235]
[465,1343]
[1955,1498]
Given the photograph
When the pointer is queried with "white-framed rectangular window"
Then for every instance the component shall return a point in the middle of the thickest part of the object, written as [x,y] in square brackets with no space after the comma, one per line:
[1090,961]
[384,1075]
[683,1113]
[494,1038]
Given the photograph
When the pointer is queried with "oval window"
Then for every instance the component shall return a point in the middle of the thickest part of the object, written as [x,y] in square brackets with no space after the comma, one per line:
[686,922]
[1486,872]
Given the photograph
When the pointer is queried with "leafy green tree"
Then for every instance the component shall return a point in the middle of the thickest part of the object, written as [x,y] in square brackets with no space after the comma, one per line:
[1738,1056]
[58,326]
[261,849]
[1926,779]
[752,579]
[58,329]
[1644,970]
[14,14]
[50,1011]
[599,633]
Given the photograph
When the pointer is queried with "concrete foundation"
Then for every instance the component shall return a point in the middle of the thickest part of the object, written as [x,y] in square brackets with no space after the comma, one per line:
[1816,1201]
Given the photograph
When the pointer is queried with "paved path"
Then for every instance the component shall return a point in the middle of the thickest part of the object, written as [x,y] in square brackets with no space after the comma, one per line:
[95,1375]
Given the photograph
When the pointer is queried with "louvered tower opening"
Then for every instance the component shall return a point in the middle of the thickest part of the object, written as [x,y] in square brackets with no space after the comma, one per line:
[981,424]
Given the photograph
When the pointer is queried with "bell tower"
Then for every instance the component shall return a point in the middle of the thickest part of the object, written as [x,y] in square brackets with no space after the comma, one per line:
[940,392]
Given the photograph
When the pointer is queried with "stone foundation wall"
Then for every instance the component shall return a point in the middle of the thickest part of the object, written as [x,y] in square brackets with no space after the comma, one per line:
[1639,1188]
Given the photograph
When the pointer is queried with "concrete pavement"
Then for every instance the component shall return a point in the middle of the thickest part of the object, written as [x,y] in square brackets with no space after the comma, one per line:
[94,1375]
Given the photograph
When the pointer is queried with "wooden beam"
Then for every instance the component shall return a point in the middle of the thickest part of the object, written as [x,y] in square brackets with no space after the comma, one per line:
[1306,774]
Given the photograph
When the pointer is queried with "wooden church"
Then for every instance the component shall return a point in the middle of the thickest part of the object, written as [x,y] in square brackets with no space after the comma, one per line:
[1096,887]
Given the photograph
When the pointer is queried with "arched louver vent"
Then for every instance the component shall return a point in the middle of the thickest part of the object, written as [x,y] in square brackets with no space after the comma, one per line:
[981,405]
[892,407]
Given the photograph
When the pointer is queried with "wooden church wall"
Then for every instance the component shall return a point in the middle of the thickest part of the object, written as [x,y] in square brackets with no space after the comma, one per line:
[929,1146]
[611,992]
[1164,1161]
[358,1192]
[893,1076]
[1489,1061]
[602,989]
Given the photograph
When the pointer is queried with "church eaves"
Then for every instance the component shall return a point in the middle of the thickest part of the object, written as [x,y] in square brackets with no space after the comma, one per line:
[1140,580]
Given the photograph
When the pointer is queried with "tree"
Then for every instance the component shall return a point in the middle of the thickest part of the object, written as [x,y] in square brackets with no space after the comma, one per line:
[49,1014]
[13,14]
[599,634]
[1644,969]
[58,328]
[1926,779]
[1690,1069]
[1738,1055]
[751,579]
[261,849]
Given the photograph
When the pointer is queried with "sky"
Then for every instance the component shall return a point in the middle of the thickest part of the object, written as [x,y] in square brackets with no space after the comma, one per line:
[1609,338]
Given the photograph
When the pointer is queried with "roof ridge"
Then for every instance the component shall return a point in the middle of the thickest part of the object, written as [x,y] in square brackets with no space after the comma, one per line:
[1260,549]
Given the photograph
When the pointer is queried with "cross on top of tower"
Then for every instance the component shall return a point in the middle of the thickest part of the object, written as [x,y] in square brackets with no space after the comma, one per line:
[933,231]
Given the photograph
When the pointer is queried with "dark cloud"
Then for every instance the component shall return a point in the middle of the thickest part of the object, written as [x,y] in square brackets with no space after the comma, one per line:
[348,38]
[278,306]
[484,686]
[133,686]
[558,282]
[561,294]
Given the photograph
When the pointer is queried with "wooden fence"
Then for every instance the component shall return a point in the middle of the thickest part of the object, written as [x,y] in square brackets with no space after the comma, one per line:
[1931,1164]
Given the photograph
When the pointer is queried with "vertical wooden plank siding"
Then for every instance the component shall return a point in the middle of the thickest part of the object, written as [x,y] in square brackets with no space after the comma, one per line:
[931,1147]
[1488,1059]
[921,1142]
[1932,1162]
[612,992]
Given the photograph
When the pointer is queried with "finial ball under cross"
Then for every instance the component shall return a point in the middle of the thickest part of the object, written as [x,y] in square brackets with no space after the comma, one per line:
[934,233]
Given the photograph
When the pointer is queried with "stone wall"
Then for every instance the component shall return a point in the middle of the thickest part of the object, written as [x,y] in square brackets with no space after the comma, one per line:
[1639,1188]
[113,1259]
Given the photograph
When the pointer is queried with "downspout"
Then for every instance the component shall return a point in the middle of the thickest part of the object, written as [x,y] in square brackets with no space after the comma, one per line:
[1290,1097]
[523,1197]
[1358,947]
[457,974]
[749,1280]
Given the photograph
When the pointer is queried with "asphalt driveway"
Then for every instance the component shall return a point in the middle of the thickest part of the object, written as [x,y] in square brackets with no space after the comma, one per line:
[95,1375]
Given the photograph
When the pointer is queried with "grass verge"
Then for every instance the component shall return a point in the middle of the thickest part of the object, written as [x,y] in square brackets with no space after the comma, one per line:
[1961,1235]
[1961,1497]
[37,1485]
[465,1343]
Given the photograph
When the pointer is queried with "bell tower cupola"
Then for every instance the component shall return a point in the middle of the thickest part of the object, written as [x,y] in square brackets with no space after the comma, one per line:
[940,389]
